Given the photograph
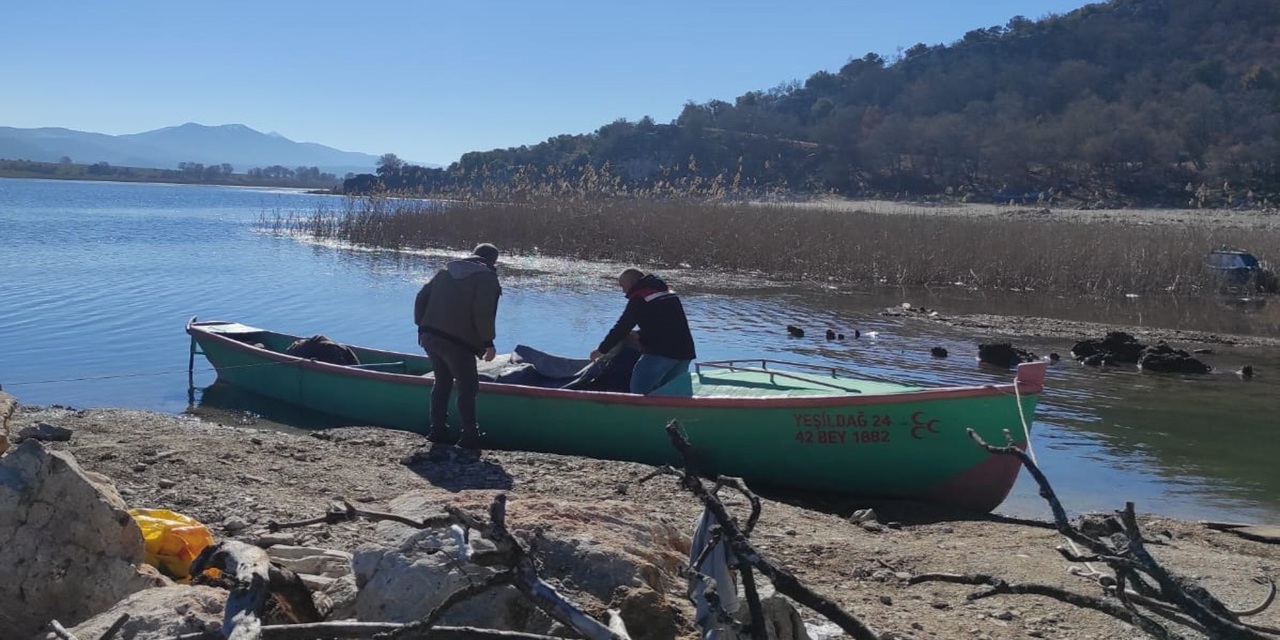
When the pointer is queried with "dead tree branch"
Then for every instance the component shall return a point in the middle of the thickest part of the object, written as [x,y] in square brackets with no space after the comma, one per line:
[535,588]
[249,568]
[1172,596]
[346,512]
[998,586]
[115,627]
[520,573]
[358,630]
[60,631]
[750,558]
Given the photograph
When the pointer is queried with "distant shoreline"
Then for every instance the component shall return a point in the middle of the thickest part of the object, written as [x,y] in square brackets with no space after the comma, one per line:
[219,175]
[310,190]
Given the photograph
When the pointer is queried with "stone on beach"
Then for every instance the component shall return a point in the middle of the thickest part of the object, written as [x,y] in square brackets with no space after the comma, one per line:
[161,614]
[71,549]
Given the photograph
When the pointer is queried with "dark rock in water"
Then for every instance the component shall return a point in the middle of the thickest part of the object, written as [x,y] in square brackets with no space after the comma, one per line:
[1054,357]
[839,336]
[796,332]
[1245,371]
[321,348]
[1166,359]
[857,334]
[831,335]
[1117,347]
[938,352]
[1003,354]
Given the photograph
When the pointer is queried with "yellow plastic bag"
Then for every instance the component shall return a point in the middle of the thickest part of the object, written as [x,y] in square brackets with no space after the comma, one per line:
[172,540]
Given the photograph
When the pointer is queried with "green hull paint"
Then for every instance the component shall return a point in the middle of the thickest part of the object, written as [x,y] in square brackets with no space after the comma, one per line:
[898,442]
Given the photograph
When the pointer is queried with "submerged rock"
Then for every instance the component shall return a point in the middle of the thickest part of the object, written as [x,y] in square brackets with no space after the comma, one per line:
[1117,347]
[1003,354]
[1165,359]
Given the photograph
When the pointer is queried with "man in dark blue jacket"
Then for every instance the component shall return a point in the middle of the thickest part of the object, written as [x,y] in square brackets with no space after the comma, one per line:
[666,344]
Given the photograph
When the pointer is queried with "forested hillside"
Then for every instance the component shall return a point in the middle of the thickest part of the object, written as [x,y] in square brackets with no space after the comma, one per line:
[1168,102]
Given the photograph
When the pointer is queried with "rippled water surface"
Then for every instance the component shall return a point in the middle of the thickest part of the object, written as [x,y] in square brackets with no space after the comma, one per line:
[98,280]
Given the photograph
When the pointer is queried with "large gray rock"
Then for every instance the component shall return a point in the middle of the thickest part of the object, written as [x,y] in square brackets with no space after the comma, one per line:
[68,547]
[7,406]
[312,561]
[409,572]
[585,551]
[160,614]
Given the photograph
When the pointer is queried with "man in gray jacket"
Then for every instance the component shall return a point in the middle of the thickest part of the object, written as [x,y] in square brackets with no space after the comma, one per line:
[455,313]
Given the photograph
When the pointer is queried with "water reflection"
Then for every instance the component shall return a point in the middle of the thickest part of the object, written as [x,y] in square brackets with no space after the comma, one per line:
[221,402]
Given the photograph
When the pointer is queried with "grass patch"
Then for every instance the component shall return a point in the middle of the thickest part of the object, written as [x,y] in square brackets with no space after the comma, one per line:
[787,241]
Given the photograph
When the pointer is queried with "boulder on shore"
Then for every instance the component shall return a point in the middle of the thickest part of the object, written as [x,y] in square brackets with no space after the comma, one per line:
[70,548]
[161,614]
[7,406]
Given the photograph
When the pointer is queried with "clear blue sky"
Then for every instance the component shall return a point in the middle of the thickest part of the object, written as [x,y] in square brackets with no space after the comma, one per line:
[430,80]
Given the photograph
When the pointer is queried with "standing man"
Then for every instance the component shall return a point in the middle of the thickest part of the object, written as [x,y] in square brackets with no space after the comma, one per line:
[666,345]
[455,313]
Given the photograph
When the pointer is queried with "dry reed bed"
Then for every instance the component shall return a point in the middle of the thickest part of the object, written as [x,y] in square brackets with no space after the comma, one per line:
[783,240]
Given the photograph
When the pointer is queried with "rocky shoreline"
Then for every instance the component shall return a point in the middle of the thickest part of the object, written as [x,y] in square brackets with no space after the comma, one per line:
[606,540]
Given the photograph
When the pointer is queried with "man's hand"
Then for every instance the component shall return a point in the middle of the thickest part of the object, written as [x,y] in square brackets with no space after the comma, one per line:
[489,354]
[595,355]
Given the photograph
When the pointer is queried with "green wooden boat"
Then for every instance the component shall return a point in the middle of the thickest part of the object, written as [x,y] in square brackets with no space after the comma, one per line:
[782,424]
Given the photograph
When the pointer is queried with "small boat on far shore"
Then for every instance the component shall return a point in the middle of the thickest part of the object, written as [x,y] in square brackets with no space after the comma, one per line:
[791,425]
[1233,267]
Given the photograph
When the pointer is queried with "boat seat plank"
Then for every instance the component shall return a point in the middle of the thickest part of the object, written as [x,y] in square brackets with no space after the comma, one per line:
[755,383]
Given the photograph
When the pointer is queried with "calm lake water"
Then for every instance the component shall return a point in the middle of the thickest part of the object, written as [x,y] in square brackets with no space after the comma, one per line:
[98,280]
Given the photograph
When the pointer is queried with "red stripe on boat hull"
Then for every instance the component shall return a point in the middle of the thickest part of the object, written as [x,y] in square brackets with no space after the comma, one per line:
[983,487]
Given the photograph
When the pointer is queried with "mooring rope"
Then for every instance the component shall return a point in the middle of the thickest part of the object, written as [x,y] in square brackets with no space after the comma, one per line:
[1022,417]
[1089,571]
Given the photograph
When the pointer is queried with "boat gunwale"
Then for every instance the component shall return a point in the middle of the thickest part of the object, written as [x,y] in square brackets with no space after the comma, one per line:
[1018,387]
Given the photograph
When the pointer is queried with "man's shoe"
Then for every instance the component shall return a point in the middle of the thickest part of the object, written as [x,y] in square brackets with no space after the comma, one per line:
[470,439]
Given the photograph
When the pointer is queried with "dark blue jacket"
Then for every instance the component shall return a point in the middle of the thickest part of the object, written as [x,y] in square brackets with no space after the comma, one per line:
[664,329]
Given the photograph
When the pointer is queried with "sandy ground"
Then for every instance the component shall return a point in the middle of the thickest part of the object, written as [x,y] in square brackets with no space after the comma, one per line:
[237,478]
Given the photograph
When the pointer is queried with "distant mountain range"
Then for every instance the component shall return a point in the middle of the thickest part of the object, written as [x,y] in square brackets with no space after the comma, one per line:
[234,144]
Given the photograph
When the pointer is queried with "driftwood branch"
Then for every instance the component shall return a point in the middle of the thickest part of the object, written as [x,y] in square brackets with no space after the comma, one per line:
[359,630]
[535,588]
[423,625]
[740,485]
[60,631]
[998,586]
[115,627]
[711,594]
[520,573]
[249,568]
[1169,595]
[291,595]
[750,558]
[346,512]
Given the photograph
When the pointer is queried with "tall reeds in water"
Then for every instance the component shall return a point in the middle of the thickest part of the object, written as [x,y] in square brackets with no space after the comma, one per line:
[707,230]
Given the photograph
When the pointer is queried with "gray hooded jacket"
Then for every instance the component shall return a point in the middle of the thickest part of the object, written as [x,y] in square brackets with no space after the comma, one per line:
[460,304]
